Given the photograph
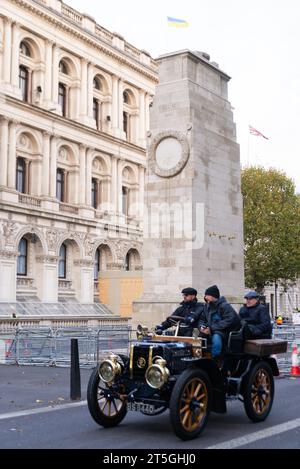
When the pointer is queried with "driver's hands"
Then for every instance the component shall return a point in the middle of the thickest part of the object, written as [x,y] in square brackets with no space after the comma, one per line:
[158,330]
[205,330]
[189,320]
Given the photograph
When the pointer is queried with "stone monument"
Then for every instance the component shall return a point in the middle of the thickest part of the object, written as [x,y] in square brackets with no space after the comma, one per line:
[193,223]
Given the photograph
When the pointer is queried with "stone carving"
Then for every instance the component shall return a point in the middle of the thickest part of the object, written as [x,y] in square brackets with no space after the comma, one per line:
[47,259]
[97,165]
[168,153]
[8,254]
[89,246]
[83,263]
[63,155]
[52,237]
[9,230]
[24,142]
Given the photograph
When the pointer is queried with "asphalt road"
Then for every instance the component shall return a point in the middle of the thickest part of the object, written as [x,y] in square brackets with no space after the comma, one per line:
[35,412]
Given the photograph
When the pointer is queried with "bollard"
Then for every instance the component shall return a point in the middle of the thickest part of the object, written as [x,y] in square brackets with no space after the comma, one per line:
[75,385]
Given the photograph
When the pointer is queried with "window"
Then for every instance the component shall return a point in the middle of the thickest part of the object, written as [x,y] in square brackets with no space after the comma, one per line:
[24,82]
[97,264]
[20,175]
[63,68]
[97,84]
[22,257]
[126,123]
[126,97]
[24,49]
[62,263]
[60,185]
[62,98]
[96,108]
[125,197]
[127,261]
[94,193]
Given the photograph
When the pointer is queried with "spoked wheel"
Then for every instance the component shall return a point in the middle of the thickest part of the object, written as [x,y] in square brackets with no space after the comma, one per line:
[259,392]
[105,409]
[190,404]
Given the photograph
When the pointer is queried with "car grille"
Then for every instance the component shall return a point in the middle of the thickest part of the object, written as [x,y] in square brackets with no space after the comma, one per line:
[140,357]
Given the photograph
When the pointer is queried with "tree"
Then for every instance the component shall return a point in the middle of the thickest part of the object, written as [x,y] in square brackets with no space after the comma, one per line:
[271,228]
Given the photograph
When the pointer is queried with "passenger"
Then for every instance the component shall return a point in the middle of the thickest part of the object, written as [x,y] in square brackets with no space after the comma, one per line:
[255,317]
[220,318]
[190,309]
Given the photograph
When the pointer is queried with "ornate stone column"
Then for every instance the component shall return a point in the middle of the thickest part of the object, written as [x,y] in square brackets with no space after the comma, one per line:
[12,157]
[115,115]
[46,164]
[114,185]
[7,52]
[15,54]
[141,191]
[142,119]
[119,186]
[46,278]
[120,105]
[3,150]
[55,64]
[90,78]
[48,72]
[53,156]
[82,174]
[88,178]
[8,276]
[147,112]
[83,88]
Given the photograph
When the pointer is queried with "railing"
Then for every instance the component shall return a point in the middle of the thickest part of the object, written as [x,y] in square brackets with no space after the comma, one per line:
[25,282]
[68,208]
[132,51]
[103,33]
[70,13]
[64,284]
[29,200]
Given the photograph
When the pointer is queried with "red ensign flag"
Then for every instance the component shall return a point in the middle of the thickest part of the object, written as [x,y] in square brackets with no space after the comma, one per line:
[253,131]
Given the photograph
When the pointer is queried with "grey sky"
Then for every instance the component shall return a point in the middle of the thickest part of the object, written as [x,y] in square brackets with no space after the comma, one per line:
[256,42]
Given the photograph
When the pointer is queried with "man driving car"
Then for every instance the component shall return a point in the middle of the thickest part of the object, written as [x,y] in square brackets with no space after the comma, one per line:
[190,310]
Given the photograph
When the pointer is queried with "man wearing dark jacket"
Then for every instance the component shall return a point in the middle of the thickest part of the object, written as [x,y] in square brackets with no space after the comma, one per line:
[256,318]
[220,318]
[189,309]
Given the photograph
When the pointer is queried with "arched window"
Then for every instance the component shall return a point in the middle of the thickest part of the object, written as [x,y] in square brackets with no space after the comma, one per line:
[62,263]
[126,97]
[127,261]
[97,264]
[22,257]
[63,68]
[20,175]
[126,123]
[62,98]
[97,84]
[94,193]
[24,82]
[60,185]
[96,112]
[125,200]
[24,49]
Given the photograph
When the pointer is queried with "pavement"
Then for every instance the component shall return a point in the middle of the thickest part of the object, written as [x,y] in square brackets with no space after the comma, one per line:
[36,412]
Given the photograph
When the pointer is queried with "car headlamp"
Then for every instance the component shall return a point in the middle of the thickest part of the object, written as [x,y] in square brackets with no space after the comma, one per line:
[158,374]
[109,368]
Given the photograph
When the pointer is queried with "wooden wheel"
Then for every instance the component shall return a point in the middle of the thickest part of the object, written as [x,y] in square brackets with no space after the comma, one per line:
[259,392]
[105,408]
[190,403]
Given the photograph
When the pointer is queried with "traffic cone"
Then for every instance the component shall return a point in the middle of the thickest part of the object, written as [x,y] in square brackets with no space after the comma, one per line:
[295,369]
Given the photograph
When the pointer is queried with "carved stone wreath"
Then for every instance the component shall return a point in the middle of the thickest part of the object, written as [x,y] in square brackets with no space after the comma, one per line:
[179,161]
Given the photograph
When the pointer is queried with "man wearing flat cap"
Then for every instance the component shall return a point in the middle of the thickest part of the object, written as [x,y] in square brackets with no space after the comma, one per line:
[255,318]
[190,309]
[220,318]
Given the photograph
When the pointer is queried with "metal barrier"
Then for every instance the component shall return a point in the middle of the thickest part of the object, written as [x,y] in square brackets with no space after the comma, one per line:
[51,346]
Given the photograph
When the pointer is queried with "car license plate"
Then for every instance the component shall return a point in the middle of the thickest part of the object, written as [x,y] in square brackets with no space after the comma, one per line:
[140,407]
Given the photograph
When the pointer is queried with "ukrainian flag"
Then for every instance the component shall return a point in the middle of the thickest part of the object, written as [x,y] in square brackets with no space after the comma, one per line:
[177,22]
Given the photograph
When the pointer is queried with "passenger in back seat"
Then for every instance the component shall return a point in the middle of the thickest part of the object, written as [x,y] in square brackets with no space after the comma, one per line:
[255,318]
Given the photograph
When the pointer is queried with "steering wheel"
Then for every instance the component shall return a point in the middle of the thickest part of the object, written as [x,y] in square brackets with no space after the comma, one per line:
[174,320]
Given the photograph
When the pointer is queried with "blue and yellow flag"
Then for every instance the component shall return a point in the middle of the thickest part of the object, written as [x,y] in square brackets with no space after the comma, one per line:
[177,22]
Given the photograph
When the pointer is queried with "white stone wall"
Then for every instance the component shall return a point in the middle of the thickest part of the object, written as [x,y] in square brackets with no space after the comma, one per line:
[38,132]
[287,301]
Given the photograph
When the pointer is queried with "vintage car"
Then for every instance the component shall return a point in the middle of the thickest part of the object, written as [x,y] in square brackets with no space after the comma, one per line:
[178,373]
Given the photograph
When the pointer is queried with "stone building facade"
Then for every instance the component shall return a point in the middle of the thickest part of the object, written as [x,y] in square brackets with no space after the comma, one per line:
[74,111]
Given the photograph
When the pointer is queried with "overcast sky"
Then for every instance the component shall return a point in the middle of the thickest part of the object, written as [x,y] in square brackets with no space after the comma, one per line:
[255,42]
